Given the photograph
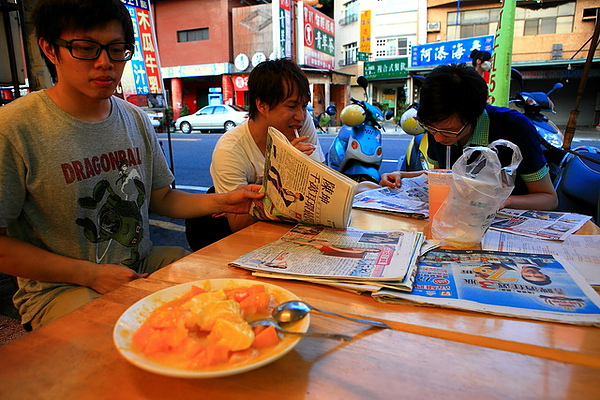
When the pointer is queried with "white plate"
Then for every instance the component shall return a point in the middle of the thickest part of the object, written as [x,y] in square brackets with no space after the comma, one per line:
[135,316]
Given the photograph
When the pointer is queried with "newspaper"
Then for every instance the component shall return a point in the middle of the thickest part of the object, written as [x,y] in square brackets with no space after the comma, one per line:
[548,225]
[361,260]
[410,200]
[300,189]
[532,286]
[582,251]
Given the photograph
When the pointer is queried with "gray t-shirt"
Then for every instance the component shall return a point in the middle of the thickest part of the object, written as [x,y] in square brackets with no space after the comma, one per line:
[76,188]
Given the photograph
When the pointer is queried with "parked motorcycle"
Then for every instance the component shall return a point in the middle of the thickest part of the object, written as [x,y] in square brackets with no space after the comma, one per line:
[414,159]
[357,151]
[323,118]
[578,182]
[533,105]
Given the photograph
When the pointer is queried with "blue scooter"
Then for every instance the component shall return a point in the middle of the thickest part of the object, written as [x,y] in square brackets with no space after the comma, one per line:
[578,182]
[323,118]
[357,151]
[533,105]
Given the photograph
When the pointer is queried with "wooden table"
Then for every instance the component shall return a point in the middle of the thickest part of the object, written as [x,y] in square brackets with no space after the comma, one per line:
[428,352]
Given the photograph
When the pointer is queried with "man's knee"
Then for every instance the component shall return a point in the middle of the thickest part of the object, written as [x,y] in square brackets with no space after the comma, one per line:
[68,300]
[161,256]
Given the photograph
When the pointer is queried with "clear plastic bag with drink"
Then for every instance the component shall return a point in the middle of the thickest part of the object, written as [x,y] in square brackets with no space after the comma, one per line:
[480,185]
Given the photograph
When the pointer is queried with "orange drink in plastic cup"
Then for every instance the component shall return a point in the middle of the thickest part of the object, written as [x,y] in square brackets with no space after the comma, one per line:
[440,182]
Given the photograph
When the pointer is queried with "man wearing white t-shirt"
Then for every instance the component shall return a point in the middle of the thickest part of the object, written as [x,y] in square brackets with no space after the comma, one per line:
[279,93]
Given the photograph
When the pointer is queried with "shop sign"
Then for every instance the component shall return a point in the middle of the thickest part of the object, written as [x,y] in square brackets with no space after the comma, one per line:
[557,73]
[190,71]
[365,31]
[318,31]
[240,82]
[362,56]
[282,28]
[386,69]
[142,74]
[450,52]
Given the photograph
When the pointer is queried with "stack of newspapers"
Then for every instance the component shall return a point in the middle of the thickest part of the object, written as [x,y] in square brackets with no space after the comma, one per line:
[352,259]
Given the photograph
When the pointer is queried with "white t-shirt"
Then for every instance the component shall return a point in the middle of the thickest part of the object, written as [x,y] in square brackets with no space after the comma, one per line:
[237,160]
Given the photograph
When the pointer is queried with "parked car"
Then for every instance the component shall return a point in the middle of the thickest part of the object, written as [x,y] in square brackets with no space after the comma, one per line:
[155,117]
[220,117]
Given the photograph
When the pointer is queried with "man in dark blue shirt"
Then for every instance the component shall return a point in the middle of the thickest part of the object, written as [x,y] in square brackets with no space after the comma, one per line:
[454,112]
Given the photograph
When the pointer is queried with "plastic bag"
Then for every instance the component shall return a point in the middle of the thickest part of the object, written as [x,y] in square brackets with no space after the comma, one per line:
[480,184]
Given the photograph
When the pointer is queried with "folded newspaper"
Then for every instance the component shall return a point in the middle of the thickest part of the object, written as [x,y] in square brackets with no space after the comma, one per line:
[300,189]
[532,286]
[548,225]
[410,200]
[353,259]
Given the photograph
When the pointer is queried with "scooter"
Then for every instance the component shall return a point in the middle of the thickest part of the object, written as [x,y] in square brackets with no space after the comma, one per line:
[532,103]
[323,118]
[357,151]
[415,158]
[578,182]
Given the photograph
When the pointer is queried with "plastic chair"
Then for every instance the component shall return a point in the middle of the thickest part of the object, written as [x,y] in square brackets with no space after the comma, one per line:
[578,184]
[202,231]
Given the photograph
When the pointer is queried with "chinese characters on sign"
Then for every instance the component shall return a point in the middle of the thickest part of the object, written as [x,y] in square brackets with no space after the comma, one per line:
[365,31]
[142,73]
[318,31]
[385,69]
[451,52]
[282,29]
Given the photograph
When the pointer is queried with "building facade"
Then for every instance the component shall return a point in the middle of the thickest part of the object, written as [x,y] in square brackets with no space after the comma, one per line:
[551,42]
[374,39]
[209,47]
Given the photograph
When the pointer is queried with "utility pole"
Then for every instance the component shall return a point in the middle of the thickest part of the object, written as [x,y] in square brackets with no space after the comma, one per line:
[37,73]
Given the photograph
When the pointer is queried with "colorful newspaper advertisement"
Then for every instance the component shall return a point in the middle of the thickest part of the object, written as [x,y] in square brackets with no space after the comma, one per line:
[356,256]
[410,200]
[582,251]
[548,225]
[300,189]
[533,286]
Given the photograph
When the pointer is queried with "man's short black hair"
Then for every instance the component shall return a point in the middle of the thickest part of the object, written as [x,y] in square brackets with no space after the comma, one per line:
[54,17]
[274,81]
[452,89]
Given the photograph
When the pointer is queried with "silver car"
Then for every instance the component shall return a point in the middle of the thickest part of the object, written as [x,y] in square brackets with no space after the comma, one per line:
[155,117]
[212,118]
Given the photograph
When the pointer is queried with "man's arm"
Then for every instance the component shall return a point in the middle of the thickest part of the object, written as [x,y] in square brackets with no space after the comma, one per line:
[541,196]
[309,140]
[175,203]
[239,221]
[19,258]
[394,179]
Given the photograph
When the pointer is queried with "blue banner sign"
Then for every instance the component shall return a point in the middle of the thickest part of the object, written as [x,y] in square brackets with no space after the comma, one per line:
[451,52]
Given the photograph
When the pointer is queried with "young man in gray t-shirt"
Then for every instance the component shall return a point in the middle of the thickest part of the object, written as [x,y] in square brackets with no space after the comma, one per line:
[81,168]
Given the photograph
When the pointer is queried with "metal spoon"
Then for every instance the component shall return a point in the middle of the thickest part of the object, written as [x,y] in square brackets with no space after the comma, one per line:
[295,310]
[273,323]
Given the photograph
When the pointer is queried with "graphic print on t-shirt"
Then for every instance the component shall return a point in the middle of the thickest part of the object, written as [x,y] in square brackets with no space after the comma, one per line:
[118,218]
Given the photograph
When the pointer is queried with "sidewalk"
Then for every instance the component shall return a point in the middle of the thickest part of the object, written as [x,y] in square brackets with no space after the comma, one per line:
[585,133]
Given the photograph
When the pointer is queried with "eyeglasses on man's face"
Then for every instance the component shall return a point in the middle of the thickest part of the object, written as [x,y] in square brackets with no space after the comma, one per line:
[444,132]
[89,50]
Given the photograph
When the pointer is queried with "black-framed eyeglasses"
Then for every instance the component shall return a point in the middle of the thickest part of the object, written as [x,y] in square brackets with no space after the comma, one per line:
[444,132]
[82,49]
